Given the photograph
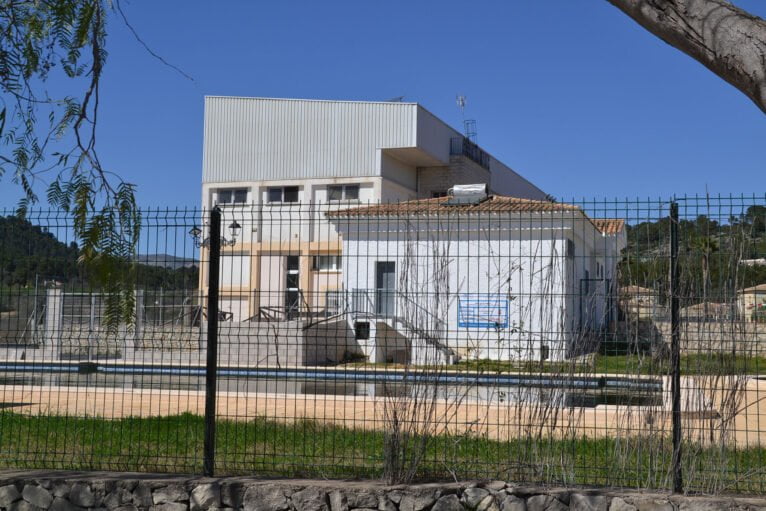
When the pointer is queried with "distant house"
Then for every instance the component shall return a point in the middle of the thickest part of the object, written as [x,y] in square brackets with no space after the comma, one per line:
[752,303]
[706,311]
[638,301]
[501,278]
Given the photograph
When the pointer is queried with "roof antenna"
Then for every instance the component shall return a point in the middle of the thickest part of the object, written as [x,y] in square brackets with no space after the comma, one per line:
[469,125]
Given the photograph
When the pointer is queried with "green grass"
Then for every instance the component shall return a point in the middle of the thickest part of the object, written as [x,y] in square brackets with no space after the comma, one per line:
[694,364]
[309,449]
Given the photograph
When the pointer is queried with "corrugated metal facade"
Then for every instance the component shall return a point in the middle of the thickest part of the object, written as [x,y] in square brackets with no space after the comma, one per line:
[253,139]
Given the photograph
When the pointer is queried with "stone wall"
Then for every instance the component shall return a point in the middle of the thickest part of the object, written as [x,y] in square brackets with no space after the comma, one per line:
[258,344]
[67,491]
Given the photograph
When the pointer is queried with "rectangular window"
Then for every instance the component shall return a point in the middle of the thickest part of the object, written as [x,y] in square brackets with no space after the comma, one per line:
[334,193]
[351,192]
[342,192]
[293,263]
[275,195]
[224,197]
[240,196]
[327,263]
[291,194]
[228,196]
[283,194]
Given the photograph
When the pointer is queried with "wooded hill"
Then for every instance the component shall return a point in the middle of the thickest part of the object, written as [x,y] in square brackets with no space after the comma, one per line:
[710,255]
[29,252]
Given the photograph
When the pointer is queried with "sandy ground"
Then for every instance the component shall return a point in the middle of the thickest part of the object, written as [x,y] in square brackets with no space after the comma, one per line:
[709,413]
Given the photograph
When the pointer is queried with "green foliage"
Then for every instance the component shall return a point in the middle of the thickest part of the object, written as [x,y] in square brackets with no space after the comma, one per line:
[28,252]
[709,256]
[66,38]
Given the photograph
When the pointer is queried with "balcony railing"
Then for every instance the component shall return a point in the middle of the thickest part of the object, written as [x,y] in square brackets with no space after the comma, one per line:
[461,146]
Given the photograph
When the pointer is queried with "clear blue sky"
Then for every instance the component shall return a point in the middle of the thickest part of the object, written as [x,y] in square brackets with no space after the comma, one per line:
[572,94]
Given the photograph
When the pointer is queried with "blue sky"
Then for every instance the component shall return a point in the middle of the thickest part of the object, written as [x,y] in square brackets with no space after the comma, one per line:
[572,94]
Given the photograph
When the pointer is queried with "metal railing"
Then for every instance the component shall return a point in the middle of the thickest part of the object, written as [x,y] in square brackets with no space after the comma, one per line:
[461,146]
[611,343]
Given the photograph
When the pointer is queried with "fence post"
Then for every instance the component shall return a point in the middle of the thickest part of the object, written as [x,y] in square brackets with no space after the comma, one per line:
[675,349]
[214,253]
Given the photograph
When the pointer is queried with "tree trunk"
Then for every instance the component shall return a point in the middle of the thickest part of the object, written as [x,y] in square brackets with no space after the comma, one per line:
[727,40]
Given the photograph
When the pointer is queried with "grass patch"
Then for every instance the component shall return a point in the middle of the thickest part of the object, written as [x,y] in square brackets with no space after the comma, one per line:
[310,449]
[692,364]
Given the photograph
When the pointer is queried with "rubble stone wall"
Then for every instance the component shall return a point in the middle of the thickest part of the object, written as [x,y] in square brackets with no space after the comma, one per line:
[98,491]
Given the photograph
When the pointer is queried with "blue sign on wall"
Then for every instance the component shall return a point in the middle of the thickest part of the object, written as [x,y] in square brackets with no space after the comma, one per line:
[482,311]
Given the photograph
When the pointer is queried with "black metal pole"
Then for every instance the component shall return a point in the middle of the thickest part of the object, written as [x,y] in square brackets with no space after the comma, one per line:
[211,368]
[675,349]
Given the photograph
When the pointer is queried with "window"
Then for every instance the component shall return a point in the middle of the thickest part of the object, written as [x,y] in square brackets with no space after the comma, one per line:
[283,194]
[327,263]
[342,192]
[226,196]
[361,330]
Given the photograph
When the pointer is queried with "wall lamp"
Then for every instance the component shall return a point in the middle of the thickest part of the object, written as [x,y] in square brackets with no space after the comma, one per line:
[196,234]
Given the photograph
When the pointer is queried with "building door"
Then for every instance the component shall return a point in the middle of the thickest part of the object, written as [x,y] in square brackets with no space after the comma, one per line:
[292,286]
[385,288]
[270,292]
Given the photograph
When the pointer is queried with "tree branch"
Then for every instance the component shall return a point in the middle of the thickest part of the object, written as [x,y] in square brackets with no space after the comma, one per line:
[724,38]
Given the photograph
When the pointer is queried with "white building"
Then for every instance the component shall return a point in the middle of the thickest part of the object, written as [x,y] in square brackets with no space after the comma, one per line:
[276,165]
[502,278]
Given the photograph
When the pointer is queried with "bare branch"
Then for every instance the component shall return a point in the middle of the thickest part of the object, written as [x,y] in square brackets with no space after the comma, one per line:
[724,38]
[146,46]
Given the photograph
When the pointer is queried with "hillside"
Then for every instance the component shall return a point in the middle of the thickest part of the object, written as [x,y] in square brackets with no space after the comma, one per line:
[28,252]
[166,261]
[710,255]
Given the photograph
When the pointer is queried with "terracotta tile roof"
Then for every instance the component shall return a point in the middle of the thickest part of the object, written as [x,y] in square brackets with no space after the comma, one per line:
[609,225]
[493,204]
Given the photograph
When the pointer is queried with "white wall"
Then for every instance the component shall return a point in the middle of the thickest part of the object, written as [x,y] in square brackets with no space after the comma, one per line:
[434,135]
[398,171]
[516,258]
[235,269]
[301,221]
[508,263]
